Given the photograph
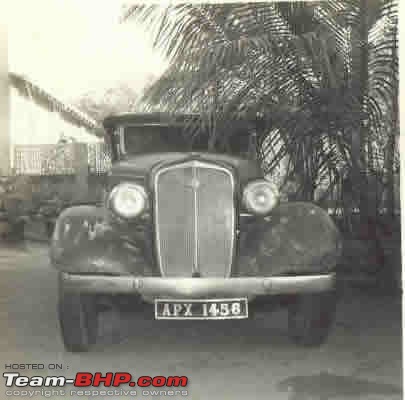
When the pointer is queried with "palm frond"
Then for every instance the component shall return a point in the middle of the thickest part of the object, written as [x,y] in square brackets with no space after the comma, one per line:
[316,72]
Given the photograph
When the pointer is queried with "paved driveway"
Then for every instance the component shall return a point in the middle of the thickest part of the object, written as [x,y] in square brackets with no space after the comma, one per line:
[246,360]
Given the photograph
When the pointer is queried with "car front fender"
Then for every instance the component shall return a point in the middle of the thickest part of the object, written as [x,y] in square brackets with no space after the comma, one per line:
[85,241]
[296,238]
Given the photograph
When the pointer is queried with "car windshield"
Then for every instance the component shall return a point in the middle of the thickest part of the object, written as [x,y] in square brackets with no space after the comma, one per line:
[153,138]
[134,139]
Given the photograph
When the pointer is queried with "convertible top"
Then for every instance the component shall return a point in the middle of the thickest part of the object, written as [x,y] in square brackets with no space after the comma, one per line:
[160,118]
[156,118]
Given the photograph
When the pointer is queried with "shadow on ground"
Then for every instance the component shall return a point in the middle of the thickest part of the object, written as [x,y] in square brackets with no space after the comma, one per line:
[326,386]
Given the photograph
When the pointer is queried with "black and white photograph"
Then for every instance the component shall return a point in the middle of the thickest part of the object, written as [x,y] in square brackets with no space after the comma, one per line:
[200,200]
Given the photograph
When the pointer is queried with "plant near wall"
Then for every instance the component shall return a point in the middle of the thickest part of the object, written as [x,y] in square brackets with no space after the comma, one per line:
[16,205]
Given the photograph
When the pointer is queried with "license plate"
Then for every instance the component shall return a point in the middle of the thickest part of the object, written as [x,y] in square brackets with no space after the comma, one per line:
[201,309]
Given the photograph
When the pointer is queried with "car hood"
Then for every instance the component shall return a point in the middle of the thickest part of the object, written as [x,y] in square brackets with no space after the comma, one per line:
[139,166]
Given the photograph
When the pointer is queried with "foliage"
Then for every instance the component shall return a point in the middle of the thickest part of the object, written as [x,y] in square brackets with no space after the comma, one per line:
[59,158]
[114,100]
[15,198]
[319,78]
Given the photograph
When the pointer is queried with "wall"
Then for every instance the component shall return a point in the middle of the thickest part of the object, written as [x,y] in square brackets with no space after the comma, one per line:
[33,124]
[4,94]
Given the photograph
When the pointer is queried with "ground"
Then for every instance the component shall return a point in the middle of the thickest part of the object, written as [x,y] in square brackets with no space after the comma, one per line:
[250,359]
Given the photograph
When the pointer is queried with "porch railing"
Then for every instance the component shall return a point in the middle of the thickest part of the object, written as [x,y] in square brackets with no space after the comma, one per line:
[61,159]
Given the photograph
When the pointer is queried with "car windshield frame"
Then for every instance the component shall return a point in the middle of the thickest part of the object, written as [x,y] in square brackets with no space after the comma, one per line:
[117,129]
[158,143]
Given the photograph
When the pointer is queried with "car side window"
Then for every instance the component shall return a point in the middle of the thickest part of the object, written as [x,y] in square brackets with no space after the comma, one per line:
[119,141]
[121,136]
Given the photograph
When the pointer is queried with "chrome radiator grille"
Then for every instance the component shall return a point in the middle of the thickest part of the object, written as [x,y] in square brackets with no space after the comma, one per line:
[194,219]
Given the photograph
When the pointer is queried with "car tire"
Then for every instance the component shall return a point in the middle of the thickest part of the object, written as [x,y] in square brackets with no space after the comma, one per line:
[310,317]
[78,319]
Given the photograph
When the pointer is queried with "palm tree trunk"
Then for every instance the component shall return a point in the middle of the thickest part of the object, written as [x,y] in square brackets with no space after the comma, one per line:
[390,155]
[389,168]
[359,142]
[214,115]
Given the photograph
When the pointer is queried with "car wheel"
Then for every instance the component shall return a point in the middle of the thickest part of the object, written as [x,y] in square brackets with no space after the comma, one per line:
[78,320]
[310,317]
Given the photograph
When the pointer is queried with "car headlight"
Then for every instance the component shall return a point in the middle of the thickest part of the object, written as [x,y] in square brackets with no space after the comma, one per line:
[128,200]
[260,197]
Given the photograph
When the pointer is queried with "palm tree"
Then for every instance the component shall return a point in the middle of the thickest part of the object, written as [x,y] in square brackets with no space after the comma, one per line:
[316,78]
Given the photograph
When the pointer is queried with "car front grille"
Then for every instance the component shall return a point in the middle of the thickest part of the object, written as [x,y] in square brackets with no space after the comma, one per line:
[194,219]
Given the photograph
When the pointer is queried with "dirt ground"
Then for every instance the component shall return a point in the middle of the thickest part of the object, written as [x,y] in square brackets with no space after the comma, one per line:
[252,359]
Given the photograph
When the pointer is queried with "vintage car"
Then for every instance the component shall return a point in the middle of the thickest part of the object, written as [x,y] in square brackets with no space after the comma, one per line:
[191,234]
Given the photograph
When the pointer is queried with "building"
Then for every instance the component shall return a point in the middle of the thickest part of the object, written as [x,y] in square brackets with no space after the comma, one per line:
[4,97]
[38,117]
[38,121]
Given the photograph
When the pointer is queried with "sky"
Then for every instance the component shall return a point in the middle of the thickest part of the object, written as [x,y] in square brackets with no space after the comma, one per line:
[72,47]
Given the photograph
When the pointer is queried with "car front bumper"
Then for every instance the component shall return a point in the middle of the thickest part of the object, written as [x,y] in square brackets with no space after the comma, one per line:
[151,288]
